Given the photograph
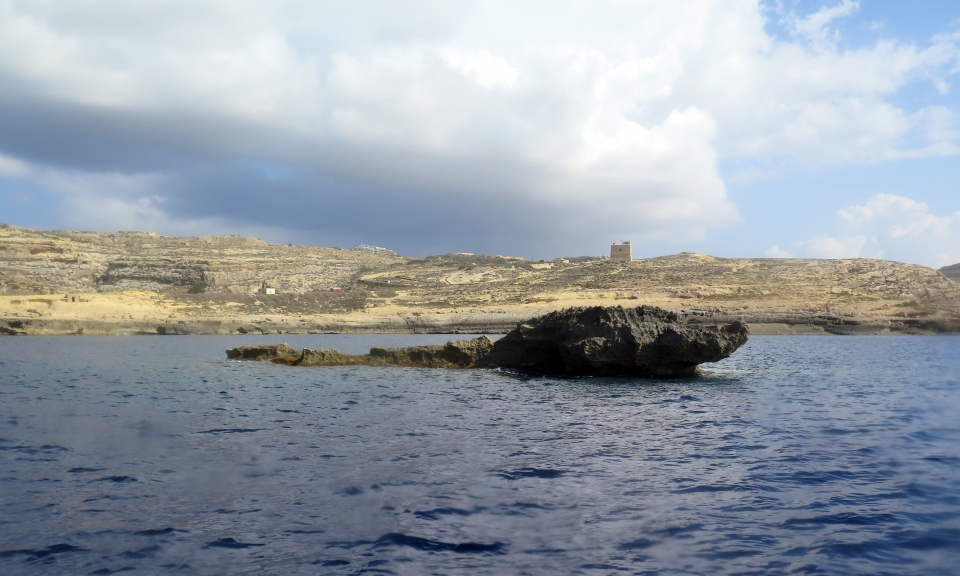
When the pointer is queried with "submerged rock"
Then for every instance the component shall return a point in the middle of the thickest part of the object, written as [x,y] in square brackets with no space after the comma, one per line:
[263,352]
[614,341]
[325,357]
[453,354]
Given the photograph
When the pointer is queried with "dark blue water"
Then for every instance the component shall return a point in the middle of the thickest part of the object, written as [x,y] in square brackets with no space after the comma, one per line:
[799,455]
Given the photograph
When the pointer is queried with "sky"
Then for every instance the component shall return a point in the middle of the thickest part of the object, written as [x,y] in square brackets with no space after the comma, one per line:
[738,128]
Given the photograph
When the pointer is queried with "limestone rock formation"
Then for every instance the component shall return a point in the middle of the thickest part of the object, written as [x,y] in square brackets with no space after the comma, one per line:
[263,352]
[149,271]
[593,341]
[324,357]
[453,354]
[614,341]
[56,282]
[172,329]
[89,262]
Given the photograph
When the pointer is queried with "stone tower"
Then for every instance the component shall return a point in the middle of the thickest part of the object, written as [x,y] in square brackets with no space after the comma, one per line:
[621,252]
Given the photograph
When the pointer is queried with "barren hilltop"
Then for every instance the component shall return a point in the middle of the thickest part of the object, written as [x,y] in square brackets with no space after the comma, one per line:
[64,282]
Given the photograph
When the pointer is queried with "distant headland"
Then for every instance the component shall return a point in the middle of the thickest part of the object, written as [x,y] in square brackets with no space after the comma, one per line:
[66,282]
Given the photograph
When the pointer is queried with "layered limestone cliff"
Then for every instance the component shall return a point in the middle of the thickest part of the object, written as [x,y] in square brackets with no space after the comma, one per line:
[84,262]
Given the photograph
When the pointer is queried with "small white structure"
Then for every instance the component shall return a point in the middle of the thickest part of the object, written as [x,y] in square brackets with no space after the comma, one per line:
[265,290]
[379,250]
[621,252]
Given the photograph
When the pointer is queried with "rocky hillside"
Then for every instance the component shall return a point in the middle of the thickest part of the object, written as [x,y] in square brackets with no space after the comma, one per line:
[690,278]
[952,271]
[64,261]
[133,281]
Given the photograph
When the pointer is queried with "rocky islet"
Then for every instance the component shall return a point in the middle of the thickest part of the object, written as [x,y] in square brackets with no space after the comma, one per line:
[590,341]
[615,341]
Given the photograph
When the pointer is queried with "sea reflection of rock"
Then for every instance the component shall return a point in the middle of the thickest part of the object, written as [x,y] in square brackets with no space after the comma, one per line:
[607,341]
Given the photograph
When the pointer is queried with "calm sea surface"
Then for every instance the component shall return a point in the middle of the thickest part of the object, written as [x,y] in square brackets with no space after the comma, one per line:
[799,455]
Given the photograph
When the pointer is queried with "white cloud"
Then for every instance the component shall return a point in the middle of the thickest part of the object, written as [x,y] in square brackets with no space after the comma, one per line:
[482,67]
[890,226]
[852,247]
[775,252]
[12,167]
[937,124]
[613,115]
[814,27]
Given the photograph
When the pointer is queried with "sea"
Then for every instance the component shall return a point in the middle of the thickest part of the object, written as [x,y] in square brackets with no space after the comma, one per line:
[157,455]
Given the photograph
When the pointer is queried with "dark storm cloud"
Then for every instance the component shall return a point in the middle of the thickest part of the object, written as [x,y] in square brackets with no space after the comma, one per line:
[345,212]
[217,170]
[86,137]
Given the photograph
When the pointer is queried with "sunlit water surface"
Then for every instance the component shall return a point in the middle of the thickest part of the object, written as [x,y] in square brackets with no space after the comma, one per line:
[799,455]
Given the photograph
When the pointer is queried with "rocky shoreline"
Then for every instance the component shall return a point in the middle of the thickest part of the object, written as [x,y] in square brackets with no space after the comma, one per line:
[762,322]
[63,282]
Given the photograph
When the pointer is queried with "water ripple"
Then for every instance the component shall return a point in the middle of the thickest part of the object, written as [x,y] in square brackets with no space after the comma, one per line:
[799,455]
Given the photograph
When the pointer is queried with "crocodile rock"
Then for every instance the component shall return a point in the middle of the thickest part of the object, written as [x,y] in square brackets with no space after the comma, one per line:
[594,341]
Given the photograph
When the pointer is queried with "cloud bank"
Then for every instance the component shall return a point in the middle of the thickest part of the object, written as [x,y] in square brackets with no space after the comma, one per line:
[886,226]
[434,126]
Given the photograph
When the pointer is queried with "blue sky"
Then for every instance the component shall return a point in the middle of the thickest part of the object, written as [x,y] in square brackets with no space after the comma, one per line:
[729,127]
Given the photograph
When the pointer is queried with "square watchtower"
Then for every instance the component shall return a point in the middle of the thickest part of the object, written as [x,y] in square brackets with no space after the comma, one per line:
[621,252]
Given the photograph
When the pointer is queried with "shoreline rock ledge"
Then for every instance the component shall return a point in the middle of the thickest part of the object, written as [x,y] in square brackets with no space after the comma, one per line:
[645,341]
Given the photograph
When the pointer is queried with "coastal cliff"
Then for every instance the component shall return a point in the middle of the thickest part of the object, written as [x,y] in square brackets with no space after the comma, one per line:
[66,282]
